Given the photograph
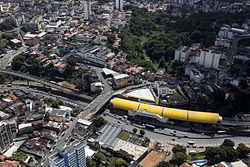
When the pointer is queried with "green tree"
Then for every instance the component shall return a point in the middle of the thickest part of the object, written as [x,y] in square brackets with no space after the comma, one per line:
[228,142]
[90,163]
[196,36]
[111,38]
[3,78]
[142,132]
[243,84]
[119,162]
[235,69]
[178,158]
[222,153]
[4,26]
[54,104]
[243,150]
[134,130]
[60,103]
[98,122]
[179,148]
[231,153]
[214,154]
[99,157]
[164,164]
[3,42]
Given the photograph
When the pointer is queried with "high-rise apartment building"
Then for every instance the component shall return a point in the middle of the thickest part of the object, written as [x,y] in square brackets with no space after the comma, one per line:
[87,10]
[209,59]
[119,4]
[5,137]
[73,155]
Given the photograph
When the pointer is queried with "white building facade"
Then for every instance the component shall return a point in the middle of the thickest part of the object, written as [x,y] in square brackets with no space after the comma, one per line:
[119,4]
[87,10]
[209,59]
[72,156]
[5,137]
[182,53]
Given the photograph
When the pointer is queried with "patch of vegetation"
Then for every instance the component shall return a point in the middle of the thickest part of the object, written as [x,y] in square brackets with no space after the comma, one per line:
[146,142]
[164,164]
[100,160]
[22,33]
[178,148]
[142,132]
[20,156]
[178,158]
[228,101]
[240,68]
[99,122]
[3,42]
[124,135]
[53,103]
[28,64]
[226,152]
[195,157]
[152,37]
[5,26]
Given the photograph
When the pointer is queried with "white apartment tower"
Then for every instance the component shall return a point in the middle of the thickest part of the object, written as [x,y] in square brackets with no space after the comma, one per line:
[5,137]
[209,59]
[182,53]
[119,4]
[73,155]
[87,10]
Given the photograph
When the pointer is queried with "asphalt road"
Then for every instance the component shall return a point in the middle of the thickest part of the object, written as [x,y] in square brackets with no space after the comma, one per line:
[43,93]
[89,111]
[165,134]
[10,56]
[92,108]
[47,83]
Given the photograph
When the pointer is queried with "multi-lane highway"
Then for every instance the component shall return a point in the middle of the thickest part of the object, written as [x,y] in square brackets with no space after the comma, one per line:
[47,83]
[50,94]
[167,135]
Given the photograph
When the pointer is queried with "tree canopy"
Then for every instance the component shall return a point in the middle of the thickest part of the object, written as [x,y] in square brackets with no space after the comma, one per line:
[152,37]
[179,148]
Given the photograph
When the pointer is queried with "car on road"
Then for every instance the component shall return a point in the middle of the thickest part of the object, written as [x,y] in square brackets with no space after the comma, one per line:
[190,142]
[173,131]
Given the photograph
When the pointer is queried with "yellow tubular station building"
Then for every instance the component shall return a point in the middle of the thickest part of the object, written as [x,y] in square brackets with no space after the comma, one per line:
[172,113]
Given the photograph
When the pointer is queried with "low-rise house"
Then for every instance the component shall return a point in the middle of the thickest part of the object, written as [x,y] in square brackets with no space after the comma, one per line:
[96,86]
[122,80]
[25,128]
[61,66]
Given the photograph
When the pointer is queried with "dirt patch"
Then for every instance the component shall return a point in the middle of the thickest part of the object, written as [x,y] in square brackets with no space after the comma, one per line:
[152,159]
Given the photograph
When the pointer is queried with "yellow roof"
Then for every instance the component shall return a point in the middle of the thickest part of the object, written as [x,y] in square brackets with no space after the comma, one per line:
[151,108]
[125,104]
[178,114]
